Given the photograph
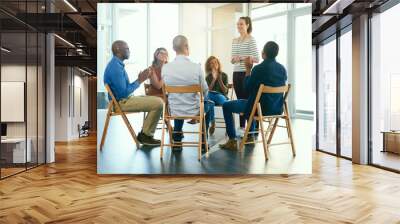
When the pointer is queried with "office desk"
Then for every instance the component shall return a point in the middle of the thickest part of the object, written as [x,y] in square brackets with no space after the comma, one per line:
[13,150]
[391,141]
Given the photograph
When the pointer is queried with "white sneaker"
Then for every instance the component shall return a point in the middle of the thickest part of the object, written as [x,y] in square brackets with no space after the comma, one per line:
[240,132]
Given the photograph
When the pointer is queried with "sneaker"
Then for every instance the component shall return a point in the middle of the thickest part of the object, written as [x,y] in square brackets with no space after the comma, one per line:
[193,121]
[212,128]
[148,140]
[240,132]
[230,144]
[177,137]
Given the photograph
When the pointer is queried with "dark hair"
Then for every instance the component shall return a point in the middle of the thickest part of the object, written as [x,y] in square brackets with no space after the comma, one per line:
[271,49]
[208,66]
[158,50]
[247,20]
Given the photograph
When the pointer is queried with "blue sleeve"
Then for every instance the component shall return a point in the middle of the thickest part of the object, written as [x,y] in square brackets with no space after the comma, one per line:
[131,87]
[119,83]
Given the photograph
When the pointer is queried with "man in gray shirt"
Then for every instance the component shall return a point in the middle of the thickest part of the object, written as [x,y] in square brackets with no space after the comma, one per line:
[183,72]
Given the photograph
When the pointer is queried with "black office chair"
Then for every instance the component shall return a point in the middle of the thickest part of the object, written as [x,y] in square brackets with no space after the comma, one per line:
[84,130]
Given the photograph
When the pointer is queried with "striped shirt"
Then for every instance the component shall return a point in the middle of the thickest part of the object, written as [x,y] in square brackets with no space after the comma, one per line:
[244,49]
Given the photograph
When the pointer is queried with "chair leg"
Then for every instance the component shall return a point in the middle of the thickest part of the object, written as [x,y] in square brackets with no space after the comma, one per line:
[169,126]
[200,135]
[265,146]
[246,133]
[103,137]
[289,128]
[272,131]
[144,117]
[163,126]
[131,130]
[205,137]
[290,135]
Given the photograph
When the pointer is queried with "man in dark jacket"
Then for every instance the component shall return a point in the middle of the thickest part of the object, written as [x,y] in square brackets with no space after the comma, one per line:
[269,73]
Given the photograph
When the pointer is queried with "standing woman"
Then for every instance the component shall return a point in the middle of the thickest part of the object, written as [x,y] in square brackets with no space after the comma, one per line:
[156,83]
[243,47]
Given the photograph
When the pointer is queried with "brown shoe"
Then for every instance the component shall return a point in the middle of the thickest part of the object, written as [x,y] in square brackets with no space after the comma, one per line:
[230,144]
[212,128]
[193,121]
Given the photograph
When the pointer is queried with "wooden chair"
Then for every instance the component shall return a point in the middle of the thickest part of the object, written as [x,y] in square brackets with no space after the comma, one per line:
[220,121]
[167,117]
[114,109]
[146,91]
[267,134]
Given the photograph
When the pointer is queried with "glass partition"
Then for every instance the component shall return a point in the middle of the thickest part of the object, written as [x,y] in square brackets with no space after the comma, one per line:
[385,89]
[327,96]
[22,88]
[346,94]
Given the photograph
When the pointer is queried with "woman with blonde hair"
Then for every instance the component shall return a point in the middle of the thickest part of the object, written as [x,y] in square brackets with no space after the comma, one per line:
[217,85]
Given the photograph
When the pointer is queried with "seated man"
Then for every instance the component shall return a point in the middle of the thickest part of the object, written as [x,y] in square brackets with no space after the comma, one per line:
[117,78]
[270,73]
[183,72]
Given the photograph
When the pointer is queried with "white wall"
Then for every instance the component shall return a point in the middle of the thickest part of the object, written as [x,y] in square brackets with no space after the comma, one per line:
[33,127]
[223,31]
[194,26]
[69,82]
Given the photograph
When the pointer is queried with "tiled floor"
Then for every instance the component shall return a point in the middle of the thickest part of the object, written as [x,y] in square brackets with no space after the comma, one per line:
[120,155]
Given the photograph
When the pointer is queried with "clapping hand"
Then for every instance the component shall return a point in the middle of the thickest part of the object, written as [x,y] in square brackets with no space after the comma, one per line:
[144,74]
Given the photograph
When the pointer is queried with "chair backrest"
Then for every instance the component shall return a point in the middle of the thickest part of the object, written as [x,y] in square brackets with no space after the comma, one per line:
[166,89]
[269,89]
[230,88]
[86,125]
[114,101]
[146,88]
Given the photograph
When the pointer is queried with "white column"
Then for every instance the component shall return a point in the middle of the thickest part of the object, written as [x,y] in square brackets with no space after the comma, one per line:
[50,101]
[360,90]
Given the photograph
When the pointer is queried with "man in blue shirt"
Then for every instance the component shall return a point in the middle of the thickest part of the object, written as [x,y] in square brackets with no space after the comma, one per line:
[270,73]
[117,78]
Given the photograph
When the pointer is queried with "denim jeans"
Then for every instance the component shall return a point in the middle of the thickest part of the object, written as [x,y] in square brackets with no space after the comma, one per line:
[230,107]
[208,109]
[218,98]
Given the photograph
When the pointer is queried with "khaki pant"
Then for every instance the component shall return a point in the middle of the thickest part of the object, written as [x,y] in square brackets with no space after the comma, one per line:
[151,104]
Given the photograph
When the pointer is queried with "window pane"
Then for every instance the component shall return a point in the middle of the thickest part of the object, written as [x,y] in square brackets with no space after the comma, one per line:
[302,5]
[385,88]
[130,21]
[304,95]
[13,82]
[346,93]
[327,97]
[265,9]
[163,28]
[276,31]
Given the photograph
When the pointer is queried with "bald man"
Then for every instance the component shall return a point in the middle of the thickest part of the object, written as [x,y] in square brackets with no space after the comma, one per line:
[117,78]
[183,72]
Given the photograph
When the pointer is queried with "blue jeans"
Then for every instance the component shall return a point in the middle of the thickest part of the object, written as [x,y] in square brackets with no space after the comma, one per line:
[178,124]
[218,98]
[230,107]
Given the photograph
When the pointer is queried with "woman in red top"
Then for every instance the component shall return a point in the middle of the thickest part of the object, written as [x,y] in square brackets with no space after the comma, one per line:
[156,83]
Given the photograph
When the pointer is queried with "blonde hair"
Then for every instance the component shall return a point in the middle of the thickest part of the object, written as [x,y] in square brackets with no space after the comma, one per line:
[208,65]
